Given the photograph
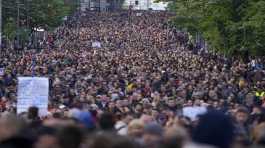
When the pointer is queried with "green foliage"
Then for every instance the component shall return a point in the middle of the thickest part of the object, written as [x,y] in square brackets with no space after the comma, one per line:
[9,28]
[34,13]
[48,13]
[228,25]
[254,25]
[23,34]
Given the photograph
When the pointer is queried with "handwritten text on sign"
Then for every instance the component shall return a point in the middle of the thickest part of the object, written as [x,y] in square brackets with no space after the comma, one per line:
[33,91]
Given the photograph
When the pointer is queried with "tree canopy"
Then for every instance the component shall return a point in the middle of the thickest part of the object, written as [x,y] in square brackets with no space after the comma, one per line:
[33,13]
[228,26]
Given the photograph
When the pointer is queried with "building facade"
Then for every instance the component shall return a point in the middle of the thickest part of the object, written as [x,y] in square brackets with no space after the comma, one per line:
[122,4]
[145,5]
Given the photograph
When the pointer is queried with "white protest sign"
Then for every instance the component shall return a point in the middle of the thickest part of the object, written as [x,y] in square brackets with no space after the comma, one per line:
[96,44]
[193,112]
[2,71]
[33,91]
[139,14]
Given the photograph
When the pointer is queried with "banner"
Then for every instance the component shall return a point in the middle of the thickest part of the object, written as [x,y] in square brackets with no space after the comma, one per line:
[139,14]
[33,91]
[96,44]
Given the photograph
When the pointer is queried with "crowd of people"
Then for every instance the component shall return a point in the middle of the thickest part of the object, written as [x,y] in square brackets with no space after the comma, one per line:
[128,79]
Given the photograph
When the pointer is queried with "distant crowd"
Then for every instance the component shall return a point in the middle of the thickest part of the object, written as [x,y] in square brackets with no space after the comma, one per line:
[129,79]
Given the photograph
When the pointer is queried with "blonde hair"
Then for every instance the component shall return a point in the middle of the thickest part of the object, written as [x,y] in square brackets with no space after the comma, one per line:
[258,133]
[135,125]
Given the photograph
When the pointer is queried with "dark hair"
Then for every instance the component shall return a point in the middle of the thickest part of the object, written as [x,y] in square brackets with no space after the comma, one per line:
[242,110]
[17,142]
[57,115]
[70,137]
[108,140]
[214,128]
[107,121]
[44,130]
[123,142]
[33,112]
[173,142]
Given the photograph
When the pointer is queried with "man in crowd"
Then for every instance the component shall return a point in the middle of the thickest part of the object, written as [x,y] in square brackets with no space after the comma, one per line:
[109,70]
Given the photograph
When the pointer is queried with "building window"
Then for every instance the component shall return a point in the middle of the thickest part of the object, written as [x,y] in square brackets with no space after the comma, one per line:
[136,2]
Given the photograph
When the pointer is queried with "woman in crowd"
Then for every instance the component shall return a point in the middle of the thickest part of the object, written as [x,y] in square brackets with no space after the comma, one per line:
[133,75]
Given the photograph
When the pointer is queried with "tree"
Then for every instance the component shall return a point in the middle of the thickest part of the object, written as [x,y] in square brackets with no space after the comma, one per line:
[229,26]
[10,28]
[254,26]
[47,13]
[29,14]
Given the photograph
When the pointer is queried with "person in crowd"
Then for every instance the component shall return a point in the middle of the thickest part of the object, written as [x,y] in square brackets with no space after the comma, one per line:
[121,126]
[107,122]
[152,136]
[117,81]
[215,130]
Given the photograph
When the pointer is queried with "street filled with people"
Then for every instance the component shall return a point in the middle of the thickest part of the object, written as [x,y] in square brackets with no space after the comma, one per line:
[129,79]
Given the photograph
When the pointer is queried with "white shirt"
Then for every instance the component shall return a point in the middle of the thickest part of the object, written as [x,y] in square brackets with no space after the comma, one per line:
[121,128]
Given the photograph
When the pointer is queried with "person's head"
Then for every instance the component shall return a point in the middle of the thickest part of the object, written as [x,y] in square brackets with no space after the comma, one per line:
[171,103]
[70,137]
[189,103]
[138,108]
[47,138]
[214,128]
[86,120]
[127,118]
[10,126]
[145,118]
[153,134]
[175,137]
[111,105]
[135,128]
[108,140]
[125,102]
[33,113]
[119,103]
[107,121]
[241,115]
[259,134]
[215,104]
[155,113]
